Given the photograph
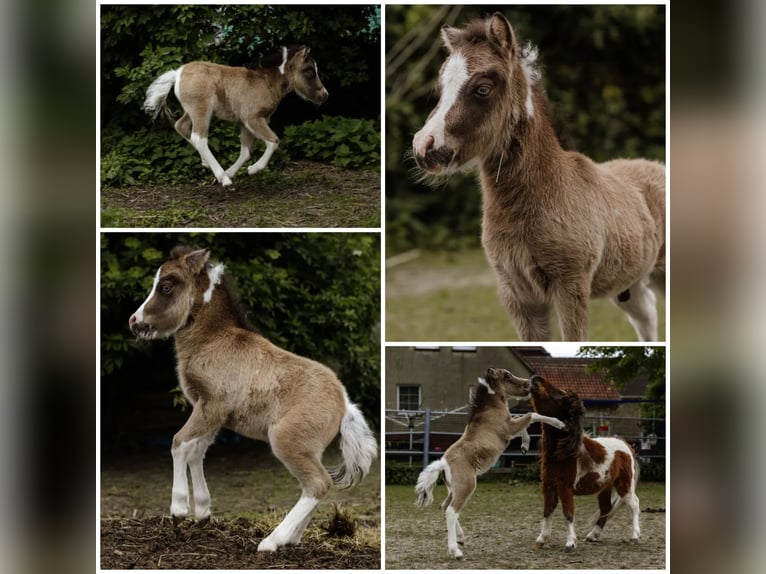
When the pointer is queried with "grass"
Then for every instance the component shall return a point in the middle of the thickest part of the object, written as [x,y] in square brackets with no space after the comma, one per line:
[501,523]
[453,297]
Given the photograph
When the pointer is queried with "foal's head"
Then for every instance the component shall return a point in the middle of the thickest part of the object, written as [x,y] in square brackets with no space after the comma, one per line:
[554,402]
[186,280]
[485,90]
[302,71]
[505,384]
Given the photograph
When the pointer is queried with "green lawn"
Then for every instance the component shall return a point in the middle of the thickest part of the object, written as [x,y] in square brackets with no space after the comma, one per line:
[452,297]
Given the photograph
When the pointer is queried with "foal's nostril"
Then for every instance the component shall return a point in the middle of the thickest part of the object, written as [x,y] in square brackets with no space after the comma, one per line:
[132,320]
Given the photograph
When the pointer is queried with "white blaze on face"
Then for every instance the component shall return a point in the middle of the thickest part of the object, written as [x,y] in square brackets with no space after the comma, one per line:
[452,80]
[140,313]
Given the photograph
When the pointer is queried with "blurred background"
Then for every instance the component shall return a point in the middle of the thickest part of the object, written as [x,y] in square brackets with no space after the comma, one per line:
[603,68]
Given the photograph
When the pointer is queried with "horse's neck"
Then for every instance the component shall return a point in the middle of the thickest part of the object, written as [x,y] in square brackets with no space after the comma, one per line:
[206,319]
[530,159]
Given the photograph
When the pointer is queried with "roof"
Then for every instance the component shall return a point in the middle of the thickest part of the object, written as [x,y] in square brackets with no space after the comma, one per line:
[569,373]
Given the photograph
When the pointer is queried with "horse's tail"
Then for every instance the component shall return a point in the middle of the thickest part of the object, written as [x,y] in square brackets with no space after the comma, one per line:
[157,94]
[426,481]
[358,446]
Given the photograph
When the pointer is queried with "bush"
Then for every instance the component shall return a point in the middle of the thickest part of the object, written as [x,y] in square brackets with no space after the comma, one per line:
[343,142]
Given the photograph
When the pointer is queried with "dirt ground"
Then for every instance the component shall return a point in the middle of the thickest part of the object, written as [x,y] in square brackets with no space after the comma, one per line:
[224,544]
[251,493]
[501,523]
[299,194]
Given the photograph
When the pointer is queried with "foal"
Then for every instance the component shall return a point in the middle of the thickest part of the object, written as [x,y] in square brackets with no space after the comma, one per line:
[557,228]
[489,430]
[235,378]
[573,463]
[245,96]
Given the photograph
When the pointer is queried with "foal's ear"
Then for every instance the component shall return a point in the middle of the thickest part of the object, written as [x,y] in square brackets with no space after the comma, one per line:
[500,31]
[196,260]
[450,35]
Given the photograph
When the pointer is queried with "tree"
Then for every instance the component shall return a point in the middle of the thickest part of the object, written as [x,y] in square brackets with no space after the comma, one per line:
[624,364]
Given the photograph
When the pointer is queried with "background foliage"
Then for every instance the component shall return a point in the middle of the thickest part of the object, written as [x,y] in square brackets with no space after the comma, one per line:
[138,43]
[314,294]
[604,72]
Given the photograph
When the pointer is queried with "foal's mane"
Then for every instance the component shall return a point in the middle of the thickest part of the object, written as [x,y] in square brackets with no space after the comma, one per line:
[568,445]
[274,59]
[481,398]
[235,305]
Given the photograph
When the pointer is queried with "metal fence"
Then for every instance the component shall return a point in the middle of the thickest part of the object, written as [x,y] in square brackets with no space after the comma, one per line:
[410,436]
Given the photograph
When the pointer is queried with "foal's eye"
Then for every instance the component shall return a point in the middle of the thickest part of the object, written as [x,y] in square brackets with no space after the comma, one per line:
[166,288]
[483,90]
[309,73]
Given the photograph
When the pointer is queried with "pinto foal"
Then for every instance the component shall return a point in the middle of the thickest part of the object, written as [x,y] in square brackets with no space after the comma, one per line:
[573,463]
[557,228]
[489,430]
[235,378]
[245,96]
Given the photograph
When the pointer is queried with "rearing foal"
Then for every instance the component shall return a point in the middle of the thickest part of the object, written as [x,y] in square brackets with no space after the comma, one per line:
[245,96]
[489,430]
[557,228]
[235,378]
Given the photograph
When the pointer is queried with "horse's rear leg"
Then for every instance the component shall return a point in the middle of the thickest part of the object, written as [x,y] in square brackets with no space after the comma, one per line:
[532,320]
[189,447]
[315,481]
[200,120]
[259,128]
[463,486]
[246,141]
[599,519]
[640,304]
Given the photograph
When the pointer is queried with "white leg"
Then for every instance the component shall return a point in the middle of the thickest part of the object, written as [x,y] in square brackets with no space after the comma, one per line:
[554,422]
[264,159]
[190,453]
[244,155]
[635,508]
[641,309]
[200,144]
[524,441]
[460,533]
[179,505]
[571,537]
[452,517]
[290,530]
[197,450]
[545,530]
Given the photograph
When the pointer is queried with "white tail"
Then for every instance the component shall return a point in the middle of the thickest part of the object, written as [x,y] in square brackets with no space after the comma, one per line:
[426,481]
[157,94]
[358,446]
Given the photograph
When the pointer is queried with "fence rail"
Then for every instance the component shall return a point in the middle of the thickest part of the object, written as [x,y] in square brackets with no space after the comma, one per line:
[416,441]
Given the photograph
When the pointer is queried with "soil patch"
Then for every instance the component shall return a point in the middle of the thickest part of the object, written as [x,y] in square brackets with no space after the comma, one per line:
[299,194]
[223,544]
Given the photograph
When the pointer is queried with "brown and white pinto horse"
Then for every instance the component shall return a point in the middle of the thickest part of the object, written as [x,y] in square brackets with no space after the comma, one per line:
[573,463]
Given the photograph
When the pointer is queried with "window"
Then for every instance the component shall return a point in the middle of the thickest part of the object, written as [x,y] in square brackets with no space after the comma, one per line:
[408,397]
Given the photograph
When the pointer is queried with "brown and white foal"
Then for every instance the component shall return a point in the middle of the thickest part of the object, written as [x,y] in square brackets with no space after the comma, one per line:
[245,96]
[558,228]
[489,430]
[237,379]
[573,464]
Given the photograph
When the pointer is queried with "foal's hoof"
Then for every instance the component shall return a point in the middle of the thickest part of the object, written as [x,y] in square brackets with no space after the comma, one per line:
[225,181]
[177,520]
[569,548]
[267,545]
[203,522]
